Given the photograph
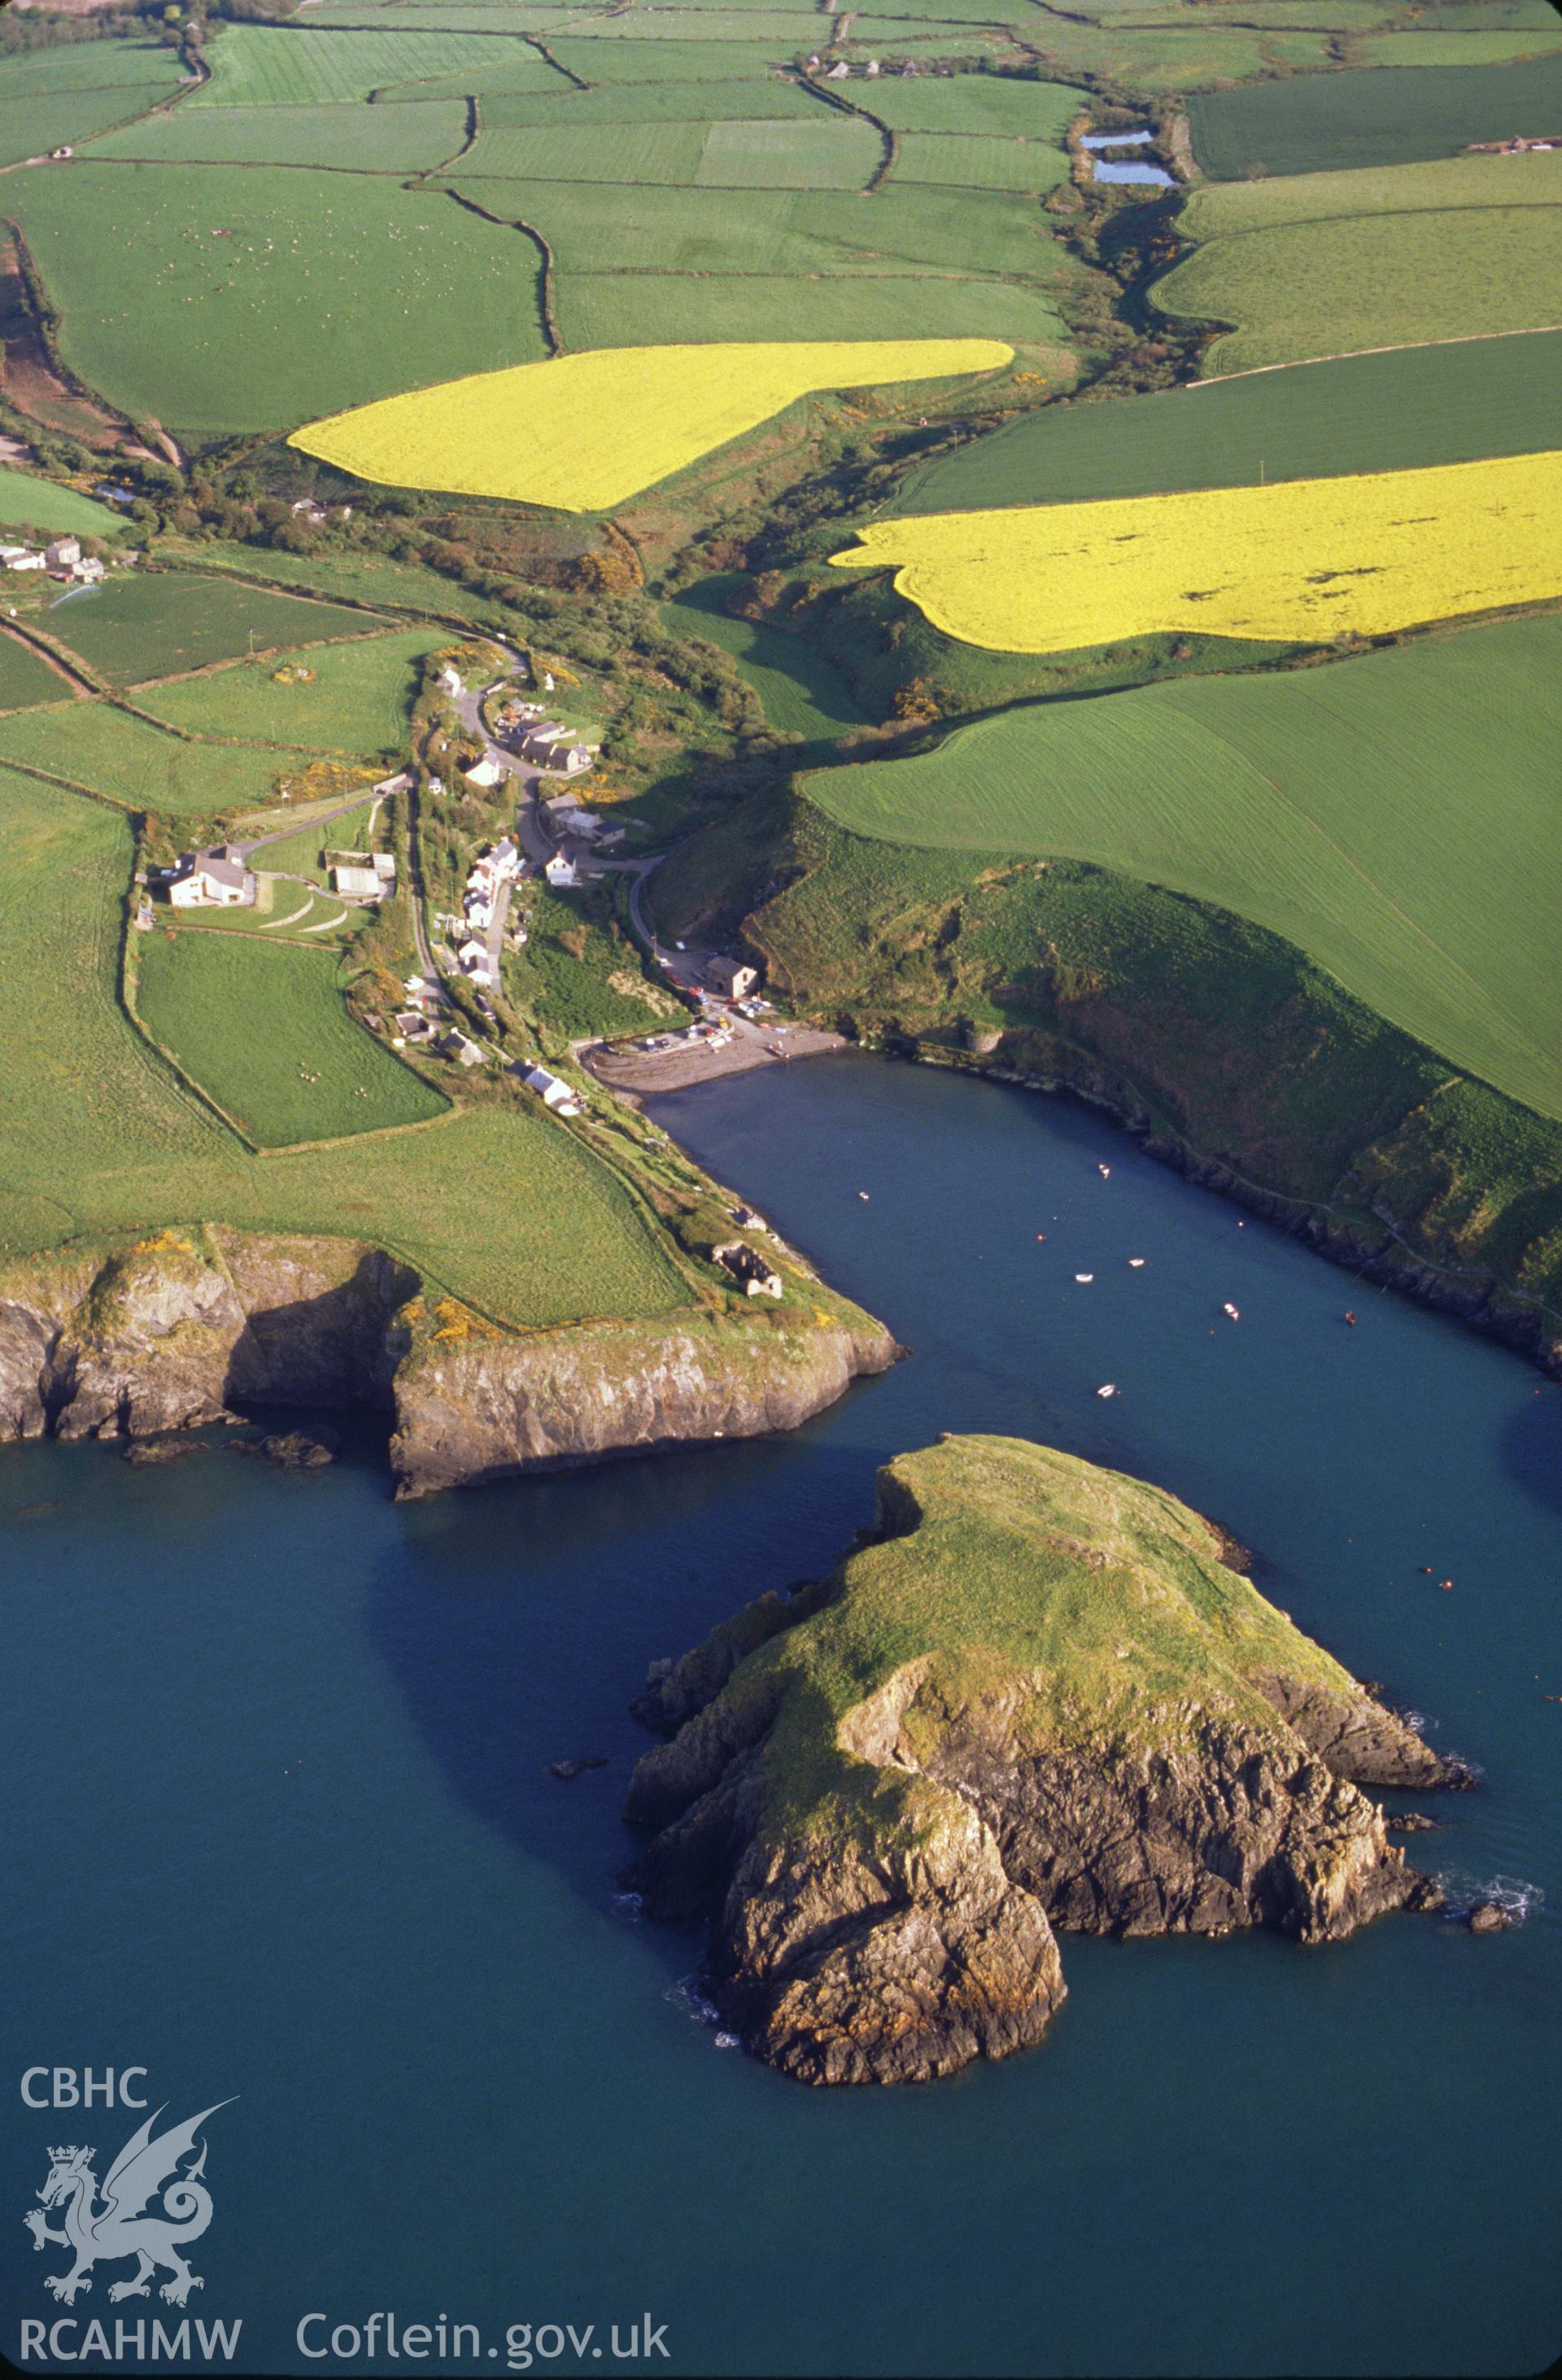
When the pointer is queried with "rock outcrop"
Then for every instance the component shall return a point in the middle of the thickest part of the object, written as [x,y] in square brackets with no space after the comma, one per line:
[181,1327]
[1034,1700]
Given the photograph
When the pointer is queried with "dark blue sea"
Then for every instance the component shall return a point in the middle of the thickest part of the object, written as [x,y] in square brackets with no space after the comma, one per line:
[280,1831]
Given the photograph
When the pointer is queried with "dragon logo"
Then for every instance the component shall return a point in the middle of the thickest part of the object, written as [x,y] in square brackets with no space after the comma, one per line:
[145,2171]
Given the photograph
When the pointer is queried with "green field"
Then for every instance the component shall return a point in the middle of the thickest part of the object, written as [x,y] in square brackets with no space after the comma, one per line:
[358,701]
[1015,106]
[255,66]
[262,298]
[264,1027]
[606,227]
[407,139]
[97,1136]
[775,152]
[361,578]
[28,501]
[1466,51]
[164,620]
[25,678]
[93,743]
[979,161]
[619,309]
[1396,817]
[1362,413]
[1329,289]
[1319,123]
[801,693]
[52,98]
[1226,209]
[563,109]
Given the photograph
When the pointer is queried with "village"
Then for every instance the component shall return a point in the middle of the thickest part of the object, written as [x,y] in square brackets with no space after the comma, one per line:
[529,765]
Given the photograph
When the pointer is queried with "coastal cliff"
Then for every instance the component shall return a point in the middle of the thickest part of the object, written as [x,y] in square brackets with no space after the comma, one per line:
[181,1327]
[1034,1700]
[1227,1052]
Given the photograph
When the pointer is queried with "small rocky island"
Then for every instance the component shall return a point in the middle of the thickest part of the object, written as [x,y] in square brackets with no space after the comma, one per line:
[1036,1698]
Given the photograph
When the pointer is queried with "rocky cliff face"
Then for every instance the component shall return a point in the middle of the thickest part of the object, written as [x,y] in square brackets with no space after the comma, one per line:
[1036,1701]
[176,1330]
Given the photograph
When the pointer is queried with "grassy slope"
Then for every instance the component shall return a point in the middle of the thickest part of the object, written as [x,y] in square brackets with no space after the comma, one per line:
[1363,413]
[358,699]
[1105,1595]
[24,678]
[256,65]
[1221,1035]
[801,693]
[407,139]
[1394,816]
[1317,123]
[28,501]
[160,622]
[500,1205]
[1331,288]
[1227,210]
[95,745]
[327,291]
[262,1026]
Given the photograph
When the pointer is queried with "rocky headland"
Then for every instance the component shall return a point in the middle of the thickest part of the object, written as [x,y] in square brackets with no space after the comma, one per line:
[182,1327]
[1034,1700]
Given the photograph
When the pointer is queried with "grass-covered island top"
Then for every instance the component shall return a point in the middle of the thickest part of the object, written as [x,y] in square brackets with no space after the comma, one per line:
[1036,1696]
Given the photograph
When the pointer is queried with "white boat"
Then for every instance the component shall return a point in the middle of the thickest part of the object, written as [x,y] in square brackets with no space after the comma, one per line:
[1137,1263]
[1231,1310]
[1085,1275]
[1109,1390]
[1105,1172]
[862,1193]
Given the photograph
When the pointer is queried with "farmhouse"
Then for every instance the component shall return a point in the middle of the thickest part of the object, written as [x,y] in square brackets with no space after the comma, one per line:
[748,1267]
[551,1089]
[62,555]
[207,880]
[462,1047]
[735,978]
[561,870]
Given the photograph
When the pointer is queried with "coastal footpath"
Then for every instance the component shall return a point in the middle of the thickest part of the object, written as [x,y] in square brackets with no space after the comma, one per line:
[1036,1698]
[185,1327]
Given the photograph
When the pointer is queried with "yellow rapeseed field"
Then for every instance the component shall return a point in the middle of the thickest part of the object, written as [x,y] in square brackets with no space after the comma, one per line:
[1311,558]
[581,432]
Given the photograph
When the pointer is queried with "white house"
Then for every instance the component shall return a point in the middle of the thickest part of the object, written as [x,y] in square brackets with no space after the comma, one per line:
[449,681]
[87,571]
[551,1089]
[210,879]
[63,553]
[562,872]
[487,773]
[21,557]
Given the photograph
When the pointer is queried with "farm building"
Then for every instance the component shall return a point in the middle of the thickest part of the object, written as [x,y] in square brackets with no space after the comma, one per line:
[63,554]
[21,557]
[207,880]
[355,883]
[551,1089]
[735,978]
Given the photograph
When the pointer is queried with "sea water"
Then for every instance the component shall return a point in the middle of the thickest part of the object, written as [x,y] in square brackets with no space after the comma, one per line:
[282,1832]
